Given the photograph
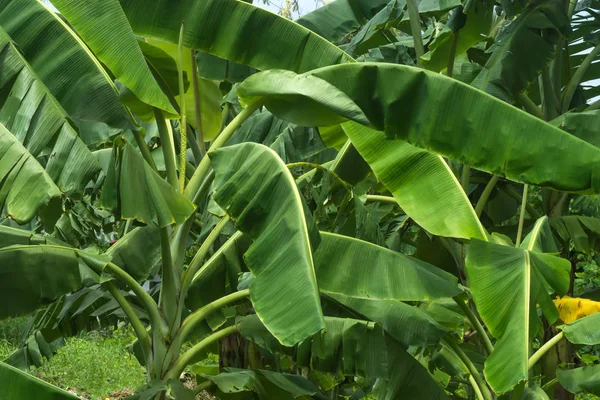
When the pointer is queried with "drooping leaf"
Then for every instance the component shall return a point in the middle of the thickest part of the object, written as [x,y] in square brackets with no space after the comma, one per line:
[146,196]
[440,115]
[572,308]
[26,186]
[580,380]
[584,330]
[35,275]
[255,188]
[421,182]
[228,29]
[580,124]
[359,269]
[409,325]
[60,59]
[137,252]
[520,51]
[104,28]
[19,385]
[526,273]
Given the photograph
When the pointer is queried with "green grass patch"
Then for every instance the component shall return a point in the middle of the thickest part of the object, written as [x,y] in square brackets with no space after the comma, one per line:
[94,366]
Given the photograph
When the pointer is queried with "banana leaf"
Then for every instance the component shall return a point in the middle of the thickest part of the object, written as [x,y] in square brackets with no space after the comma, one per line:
[63,62]
[580,380]
[19,385]
[436,113]
[257,191]
[529,275]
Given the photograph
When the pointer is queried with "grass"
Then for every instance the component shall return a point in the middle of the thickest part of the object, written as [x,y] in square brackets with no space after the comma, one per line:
[95,366]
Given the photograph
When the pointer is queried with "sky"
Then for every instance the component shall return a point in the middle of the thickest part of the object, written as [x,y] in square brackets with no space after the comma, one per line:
[305,6]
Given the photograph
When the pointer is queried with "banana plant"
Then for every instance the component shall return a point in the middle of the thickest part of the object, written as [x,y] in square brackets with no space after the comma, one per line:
[419,254]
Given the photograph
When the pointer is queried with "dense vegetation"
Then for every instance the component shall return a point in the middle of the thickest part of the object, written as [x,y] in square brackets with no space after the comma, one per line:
[384,199]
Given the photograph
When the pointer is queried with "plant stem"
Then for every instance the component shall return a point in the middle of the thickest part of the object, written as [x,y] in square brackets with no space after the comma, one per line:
[450,68]
[465,178]
[168,150]
[577,78]
[189,355]
[549,102]
[544,349]
[199,315]
[486,194]
[322,168]
[147,301]
[475,387]
[594,106]
[196,263]
[140,331]
[171,283]
[415,27]
[550,384]
[475,324]
[522,216]
[529,105]
[197,104]
[196,180]
[143,146]
[182,112]
[381,199]
[202,386]
[472,369]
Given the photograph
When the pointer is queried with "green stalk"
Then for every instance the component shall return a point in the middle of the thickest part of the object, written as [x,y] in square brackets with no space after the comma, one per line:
[199,315]
[544,349]
[183,120]
[475,324]
[522,216]
[202,387]
[475,388]
[577,78]
[197,104]
[529,105]
[140,332]
[189,355]
[143,146]
[594,106]
[549,102]
[485,195]
[156,319]
[194,184]
[472,369]
[171,283]
[465,177]
[415,28]
[196,263]
[167,148]
[381,199]
[322,168]
[450,68]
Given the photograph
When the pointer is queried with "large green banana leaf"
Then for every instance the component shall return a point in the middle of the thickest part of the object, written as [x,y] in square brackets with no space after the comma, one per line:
[138,252]
[584,330]
[255,188]
[360,269]
[583,125]
[421,182]
[234,30]
[507,284]
[335,20]
[104,28]
[31,276]
[521,50]
[61,60]
[581,380]
[19,385]
[37,120]
[440,115]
